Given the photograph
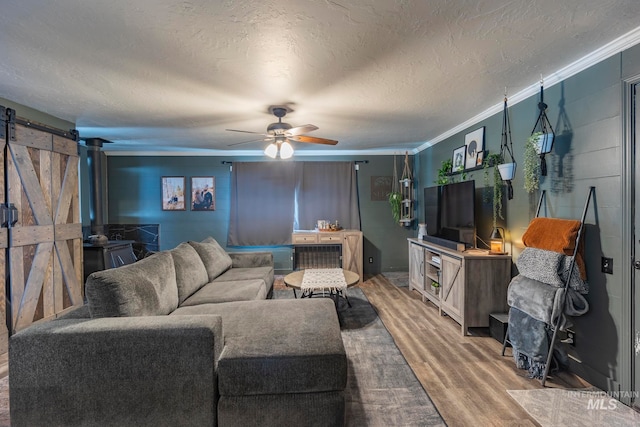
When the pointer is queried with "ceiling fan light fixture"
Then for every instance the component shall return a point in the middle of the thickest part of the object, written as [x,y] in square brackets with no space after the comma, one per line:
[271,150]
[286,150]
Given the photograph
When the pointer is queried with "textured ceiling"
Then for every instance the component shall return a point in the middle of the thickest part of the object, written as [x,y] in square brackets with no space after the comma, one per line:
[373,74]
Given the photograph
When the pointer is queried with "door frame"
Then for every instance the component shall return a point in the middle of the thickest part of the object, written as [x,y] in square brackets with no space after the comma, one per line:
[629,367]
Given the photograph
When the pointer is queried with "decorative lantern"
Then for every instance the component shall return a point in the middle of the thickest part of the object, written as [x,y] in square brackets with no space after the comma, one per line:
[497,241]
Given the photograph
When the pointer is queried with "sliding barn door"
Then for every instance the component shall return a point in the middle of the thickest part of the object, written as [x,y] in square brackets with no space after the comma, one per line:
[45,242]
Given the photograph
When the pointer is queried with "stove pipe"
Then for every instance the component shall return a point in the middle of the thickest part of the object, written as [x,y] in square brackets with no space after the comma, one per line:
[96,209]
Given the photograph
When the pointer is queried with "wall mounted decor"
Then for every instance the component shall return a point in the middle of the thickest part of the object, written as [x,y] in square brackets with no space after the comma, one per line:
[406,189]
[380,188]
[203,193]
[173,193]
[474,144]
[458,159]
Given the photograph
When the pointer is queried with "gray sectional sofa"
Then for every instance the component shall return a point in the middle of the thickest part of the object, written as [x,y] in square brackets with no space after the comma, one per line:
[185,337]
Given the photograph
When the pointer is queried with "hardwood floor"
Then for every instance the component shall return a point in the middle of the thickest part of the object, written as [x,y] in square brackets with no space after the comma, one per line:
[466,377]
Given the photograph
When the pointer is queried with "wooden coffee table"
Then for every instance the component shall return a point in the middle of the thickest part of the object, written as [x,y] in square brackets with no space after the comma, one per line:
[294,281]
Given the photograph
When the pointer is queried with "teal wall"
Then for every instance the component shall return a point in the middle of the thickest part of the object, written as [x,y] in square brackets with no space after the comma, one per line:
[134,197]
[593,101]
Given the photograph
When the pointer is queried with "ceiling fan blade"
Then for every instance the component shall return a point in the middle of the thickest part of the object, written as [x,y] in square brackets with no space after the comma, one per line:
[246,142]
[313,140]
[299,130]
[246,131]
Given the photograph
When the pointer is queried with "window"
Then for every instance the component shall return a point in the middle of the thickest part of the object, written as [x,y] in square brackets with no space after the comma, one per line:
[270,199]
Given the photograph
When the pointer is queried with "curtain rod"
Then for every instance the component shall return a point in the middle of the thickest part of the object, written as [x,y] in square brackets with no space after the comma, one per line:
[225,162]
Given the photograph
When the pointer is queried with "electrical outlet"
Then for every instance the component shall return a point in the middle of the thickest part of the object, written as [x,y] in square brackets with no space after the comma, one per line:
[370,260]
[571,338]
[607,265]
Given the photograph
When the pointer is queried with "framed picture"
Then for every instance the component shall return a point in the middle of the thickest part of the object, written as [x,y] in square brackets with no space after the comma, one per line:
[480,158]
[458,159]
[380,188]
[203,193]
[474,143]
[173,193]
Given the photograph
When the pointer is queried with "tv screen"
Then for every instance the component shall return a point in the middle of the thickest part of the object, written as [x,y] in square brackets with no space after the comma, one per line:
[451,208]
[432,210]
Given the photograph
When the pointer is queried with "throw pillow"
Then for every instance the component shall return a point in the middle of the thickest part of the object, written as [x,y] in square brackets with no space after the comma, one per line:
[215,259]
[191,273]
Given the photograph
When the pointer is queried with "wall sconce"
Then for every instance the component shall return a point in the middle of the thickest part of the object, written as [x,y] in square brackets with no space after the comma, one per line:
[496,243]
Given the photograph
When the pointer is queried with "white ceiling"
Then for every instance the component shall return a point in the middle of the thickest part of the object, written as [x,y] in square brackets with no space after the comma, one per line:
[387,75]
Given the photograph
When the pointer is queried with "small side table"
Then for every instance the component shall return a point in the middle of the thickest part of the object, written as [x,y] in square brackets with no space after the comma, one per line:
[294,281]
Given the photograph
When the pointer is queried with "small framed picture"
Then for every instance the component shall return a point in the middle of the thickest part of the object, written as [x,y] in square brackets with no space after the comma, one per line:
[458,159]
[173,193]
[474,143]
[203,193]
[480,158]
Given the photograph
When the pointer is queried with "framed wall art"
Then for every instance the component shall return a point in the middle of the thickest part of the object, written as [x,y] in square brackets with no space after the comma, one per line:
[380,188]
[474,143]
[173,193]
[458,160]
[203,193]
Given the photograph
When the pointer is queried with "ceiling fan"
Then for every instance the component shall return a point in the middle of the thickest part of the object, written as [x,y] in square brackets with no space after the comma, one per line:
[280,134]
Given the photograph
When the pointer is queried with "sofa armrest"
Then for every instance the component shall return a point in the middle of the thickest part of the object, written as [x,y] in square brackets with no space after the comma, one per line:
[143,371]
[251,259]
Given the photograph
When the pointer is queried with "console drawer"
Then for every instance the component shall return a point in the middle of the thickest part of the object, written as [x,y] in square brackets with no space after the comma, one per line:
[309,238]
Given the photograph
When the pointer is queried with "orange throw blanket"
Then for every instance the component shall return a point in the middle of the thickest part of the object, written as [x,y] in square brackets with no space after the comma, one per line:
[557,235]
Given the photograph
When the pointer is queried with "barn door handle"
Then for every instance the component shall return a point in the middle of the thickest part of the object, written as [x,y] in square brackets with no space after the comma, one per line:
[8,215]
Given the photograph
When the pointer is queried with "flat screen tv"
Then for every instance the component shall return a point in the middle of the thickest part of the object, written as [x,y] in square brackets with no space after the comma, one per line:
[450,212]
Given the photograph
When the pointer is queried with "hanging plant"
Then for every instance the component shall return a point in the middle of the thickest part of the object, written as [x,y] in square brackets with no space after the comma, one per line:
[507,165]
[531,163]
[444,173]
[395,196]
[395,200]
[544,132]
[493,160]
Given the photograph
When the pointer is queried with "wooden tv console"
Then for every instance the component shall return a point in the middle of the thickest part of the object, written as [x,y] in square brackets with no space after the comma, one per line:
[473,284]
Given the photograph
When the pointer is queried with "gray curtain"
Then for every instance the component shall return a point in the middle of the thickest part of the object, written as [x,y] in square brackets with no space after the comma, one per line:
[262,203]
[271,199]
[329,191]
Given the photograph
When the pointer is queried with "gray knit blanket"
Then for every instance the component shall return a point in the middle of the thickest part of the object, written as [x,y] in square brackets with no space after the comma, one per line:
[551,268]
[537,300]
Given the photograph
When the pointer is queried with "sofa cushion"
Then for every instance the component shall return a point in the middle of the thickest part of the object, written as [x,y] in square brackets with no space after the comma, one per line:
[216,292]
[145,288]
[268,352]
[191,273]
[215,259]
[249,273]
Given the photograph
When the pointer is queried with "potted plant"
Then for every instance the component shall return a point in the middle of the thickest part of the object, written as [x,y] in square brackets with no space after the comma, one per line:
[444,173]
[435,287]
[493,180]
[531,165]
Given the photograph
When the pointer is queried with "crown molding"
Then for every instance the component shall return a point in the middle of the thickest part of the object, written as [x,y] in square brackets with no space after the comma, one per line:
[256,153]
[614,47]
